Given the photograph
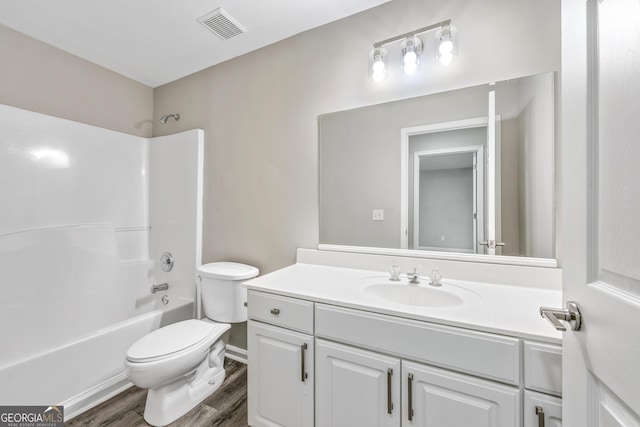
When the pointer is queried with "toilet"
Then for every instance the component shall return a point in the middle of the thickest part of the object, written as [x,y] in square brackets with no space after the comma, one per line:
[183,363]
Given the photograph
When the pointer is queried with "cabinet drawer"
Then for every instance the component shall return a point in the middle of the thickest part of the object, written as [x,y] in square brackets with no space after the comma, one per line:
[543,367]
[291,313]
[492,356]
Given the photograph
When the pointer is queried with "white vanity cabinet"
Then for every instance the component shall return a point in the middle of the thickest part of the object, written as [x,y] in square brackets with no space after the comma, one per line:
[326,365]
[437,397]
[543,384]
[429,396]
[355,387]
[281,361]
[360,388]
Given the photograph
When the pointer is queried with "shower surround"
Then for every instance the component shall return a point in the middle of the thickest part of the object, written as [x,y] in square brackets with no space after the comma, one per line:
[86,215]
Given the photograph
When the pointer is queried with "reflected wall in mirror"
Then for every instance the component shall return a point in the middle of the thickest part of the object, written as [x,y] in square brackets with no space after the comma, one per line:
[462,171]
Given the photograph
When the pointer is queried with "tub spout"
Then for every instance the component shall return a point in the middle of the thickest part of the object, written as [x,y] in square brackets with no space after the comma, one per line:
[160,287]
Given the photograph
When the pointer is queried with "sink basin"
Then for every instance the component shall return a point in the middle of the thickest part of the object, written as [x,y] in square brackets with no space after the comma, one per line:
[417,295]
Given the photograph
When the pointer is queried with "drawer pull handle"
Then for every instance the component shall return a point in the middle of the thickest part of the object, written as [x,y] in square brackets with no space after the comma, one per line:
[275,311]
[540,414]
[304,375]
[410,397]
[389,402]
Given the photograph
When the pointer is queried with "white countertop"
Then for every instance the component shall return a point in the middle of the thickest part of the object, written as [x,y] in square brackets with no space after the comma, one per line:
[501,309]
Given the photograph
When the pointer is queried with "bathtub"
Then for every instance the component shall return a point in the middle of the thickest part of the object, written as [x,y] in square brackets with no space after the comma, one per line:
[80,246]
[89,370]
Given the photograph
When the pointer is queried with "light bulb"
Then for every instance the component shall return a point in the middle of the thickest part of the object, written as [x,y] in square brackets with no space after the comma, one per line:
[378,65]
[446,58]
[378,70]
[410,62]
[446,46]
[411,48]
[377,77]
[410,68]
[410,57]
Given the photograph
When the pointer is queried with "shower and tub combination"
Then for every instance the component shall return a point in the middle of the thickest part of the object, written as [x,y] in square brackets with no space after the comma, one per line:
[88,217]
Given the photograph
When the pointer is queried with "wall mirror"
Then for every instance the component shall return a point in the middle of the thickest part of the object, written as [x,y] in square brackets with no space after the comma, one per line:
[465,174]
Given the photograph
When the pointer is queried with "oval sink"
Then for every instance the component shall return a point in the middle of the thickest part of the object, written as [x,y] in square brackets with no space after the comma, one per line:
[417,295]
[414,295]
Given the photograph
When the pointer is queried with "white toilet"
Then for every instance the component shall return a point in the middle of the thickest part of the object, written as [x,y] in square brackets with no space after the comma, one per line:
[182,364]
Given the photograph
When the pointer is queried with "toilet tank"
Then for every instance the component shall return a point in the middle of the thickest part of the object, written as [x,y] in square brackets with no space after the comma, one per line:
[223,296]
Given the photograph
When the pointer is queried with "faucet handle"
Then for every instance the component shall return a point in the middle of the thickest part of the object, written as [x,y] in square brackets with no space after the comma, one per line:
[394,271]
[435,277]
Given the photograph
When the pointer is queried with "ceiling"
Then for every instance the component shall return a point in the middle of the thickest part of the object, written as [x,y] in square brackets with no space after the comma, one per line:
[158,41]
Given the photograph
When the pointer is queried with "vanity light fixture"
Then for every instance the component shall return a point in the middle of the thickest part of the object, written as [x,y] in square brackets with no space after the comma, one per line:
[412,48]
[378,57]
[447,48]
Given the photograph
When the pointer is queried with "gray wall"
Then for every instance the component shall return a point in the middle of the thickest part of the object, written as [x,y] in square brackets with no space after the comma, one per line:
[38,77]
[260,111]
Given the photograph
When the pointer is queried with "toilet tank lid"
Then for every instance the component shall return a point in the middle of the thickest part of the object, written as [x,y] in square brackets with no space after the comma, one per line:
[228,271]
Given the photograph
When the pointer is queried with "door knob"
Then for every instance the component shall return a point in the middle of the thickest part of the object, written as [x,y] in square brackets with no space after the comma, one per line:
[570,314]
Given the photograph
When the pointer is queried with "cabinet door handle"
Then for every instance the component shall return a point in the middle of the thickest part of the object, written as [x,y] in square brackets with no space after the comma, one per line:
[389,402]
[275,311]
[540,414]
[303,374]
[410,397]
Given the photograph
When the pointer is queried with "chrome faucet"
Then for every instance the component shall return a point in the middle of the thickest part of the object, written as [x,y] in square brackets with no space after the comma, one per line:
[413,277]
[160,287]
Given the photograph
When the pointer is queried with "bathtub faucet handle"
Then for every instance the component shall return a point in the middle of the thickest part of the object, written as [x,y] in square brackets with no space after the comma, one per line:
[160,287]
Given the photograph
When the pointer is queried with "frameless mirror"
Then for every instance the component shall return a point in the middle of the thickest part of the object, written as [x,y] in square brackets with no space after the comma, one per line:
[469,171]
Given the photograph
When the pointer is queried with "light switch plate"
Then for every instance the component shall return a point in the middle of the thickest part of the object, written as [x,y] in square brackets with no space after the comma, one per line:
[378,215]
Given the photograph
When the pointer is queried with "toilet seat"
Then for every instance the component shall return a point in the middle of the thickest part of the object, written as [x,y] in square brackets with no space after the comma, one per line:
[172,339]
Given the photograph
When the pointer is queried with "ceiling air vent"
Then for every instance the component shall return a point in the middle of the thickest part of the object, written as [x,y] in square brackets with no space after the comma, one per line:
[221,23]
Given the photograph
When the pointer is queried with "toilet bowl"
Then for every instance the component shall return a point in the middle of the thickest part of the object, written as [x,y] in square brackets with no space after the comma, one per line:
[183,363]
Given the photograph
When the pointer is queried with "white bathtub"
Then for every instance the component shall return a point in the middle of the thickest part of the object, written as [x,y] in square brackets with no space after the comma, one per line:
[88,371]
[80,246]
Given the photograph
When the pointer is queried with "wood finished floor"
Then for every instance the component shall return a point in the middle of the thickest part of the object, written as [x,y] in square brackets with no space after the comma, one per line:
[227,407]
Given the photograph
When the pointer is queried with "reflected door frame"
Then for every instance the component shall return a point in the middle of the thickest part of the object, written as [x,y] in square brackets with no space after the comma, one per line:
[478,193]
[491,163]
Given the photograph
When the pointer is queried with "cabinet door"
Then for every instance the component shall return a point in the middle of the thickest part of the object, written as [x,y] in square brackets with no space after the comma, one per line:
[542,410]
[356,388]
[436,397]
[280,377]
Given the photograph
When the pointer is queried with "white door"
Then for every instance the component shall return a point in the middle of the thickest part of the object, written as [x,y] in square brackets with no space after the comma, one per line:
[280,377]
[600,122]
[436,397]
[356,388]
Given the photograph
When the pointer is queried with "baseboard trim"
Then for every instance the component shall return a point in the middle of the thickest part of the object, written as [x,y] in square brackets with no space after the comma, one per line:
[236,353]
[95,396]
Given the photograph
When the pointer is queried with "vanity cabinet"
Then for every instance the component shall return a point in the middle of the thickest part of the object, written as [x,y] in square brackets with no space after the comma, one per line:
[324,365]
[437,397]
[280,348]
[356,388]
[542,410]
[543,384]
[360,388]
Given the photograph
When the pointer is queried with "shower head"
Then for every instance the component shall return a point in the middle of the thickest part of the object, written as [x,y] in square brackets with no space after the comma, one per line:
[164,118]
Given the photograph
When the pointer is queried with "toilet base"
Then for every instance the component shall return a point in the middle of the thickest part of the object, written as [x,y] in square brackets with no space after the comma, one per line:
[169,402]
